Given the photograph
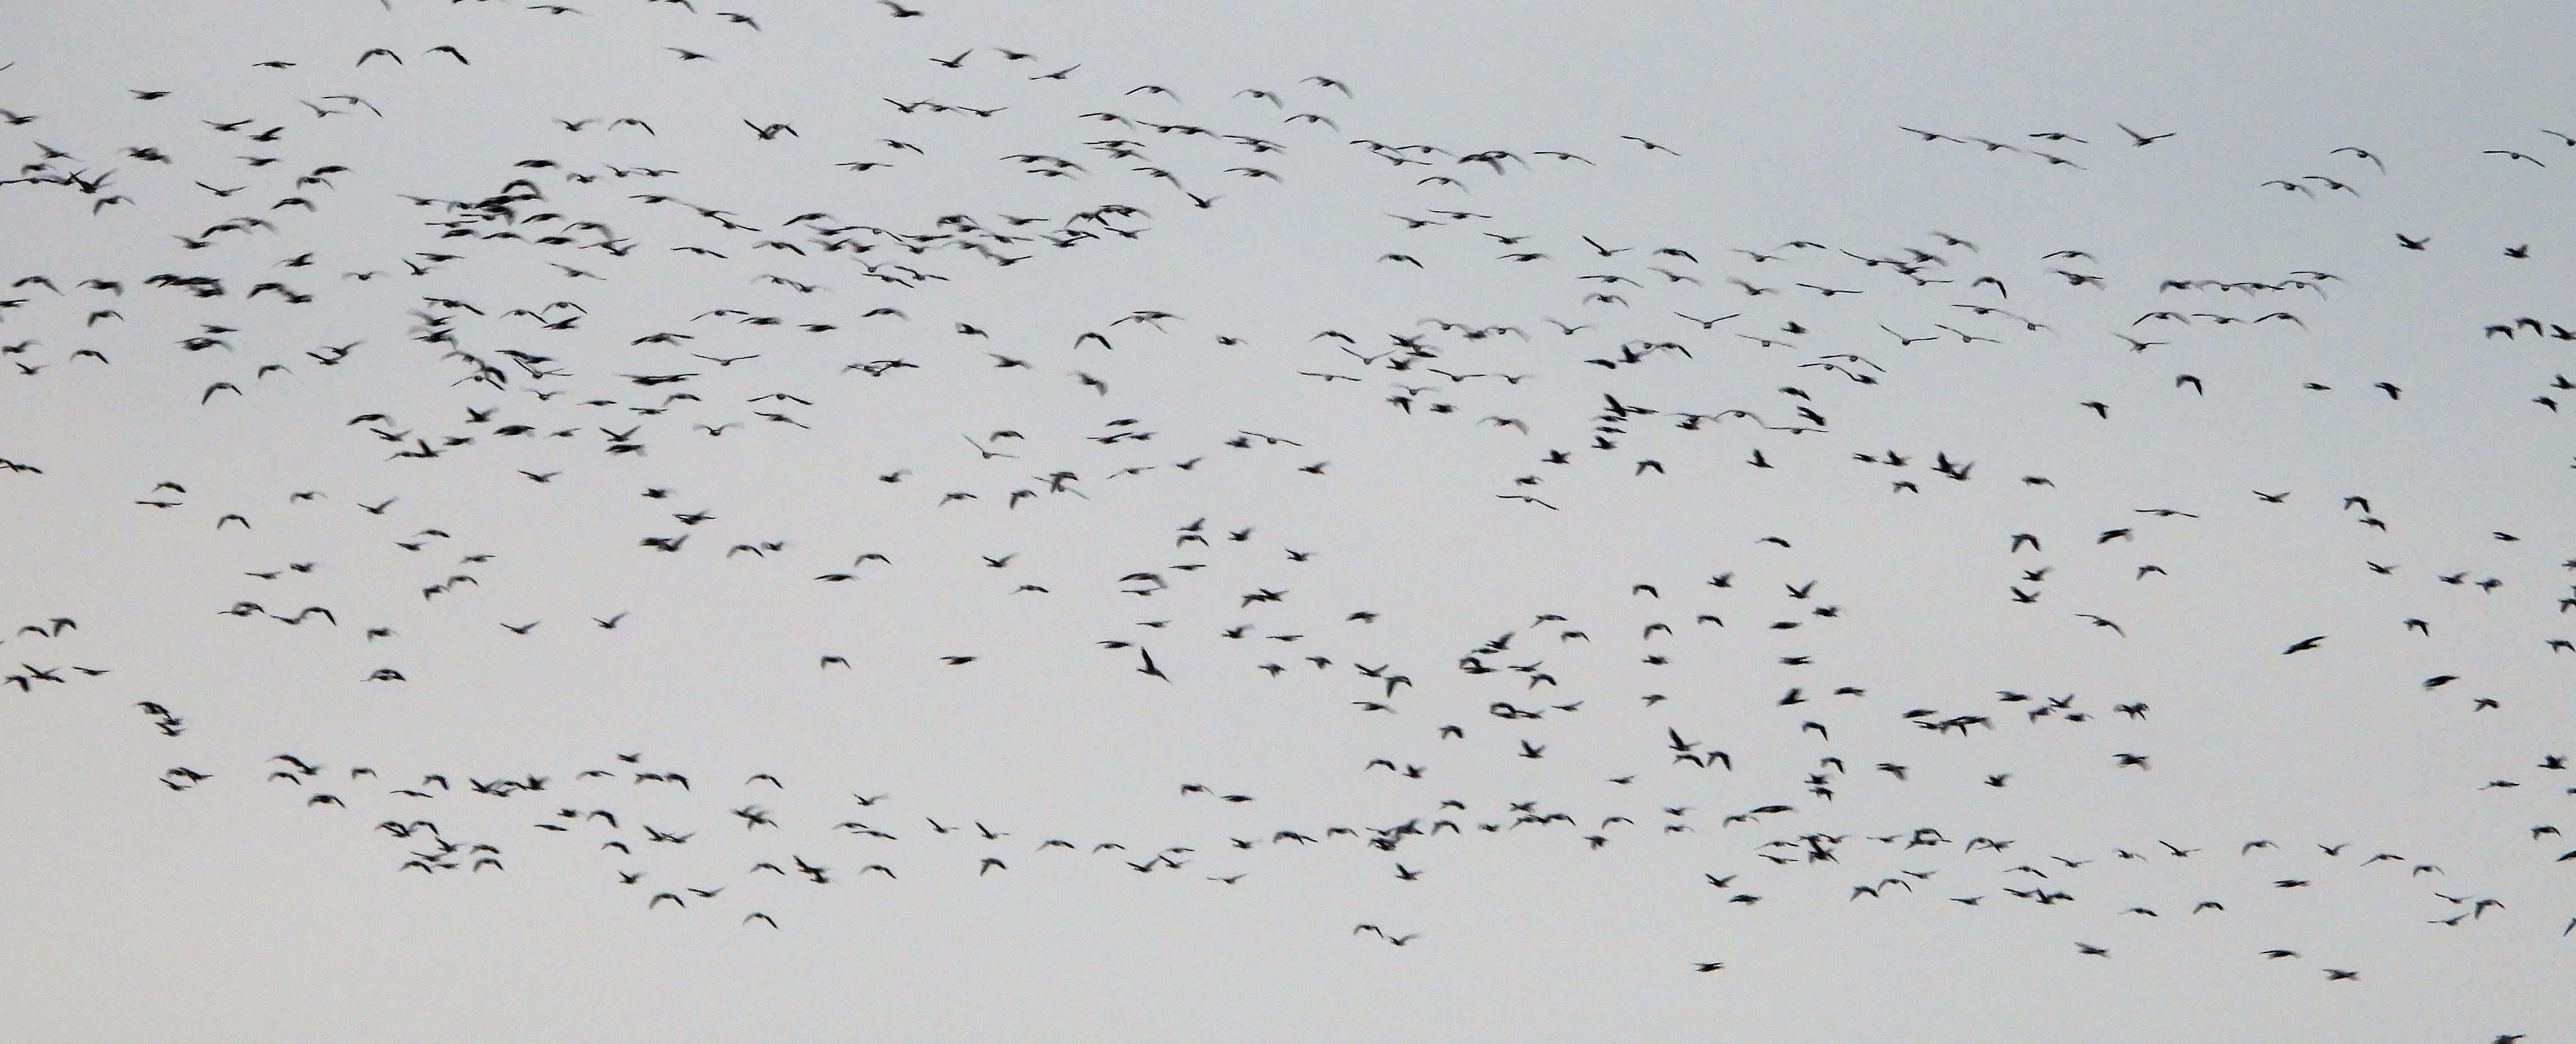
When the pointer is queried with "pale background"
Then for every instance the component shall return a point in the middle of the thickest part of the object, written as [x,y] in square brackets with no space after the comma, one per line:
[235,911]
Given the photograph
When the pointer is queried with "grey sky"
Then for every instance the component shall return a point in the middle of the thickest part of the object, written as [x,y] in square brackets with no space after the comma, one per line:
[1281,256]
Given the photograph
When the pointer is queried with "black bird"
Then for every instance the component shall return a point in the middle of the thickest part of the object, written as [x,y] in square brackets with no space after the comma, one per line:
[2142,140]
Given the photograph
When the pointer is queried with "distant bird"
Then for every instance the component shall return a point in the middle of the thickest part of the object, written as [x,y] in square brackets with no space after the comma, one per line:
[2142,140]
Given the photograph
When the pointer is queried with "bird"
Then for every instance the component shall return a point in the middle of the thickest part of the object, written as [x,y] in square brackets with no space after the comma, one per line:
[2142,140]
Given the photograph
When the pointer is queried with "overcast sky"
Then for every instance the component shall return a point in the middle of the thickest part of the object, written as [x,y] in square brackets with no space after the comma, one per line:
[1151,521]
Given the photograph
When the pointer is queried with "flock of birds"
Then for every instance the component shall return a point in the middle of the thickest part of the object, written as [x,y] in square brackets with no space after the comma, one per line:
[564,322]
